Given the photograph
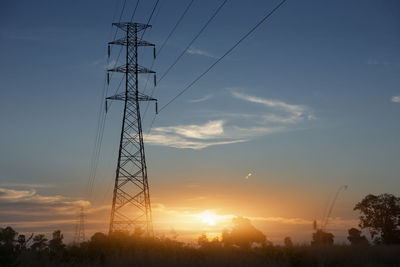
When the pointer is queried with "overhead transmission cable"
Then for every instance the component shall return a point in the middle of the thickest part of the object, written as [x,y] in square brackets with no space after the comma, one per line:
[175,26]
[101,121]
[151,15]
[185,50]
[116,31]
[224,55]
[134,11]
[181,55]
[193,40]
[161,47]
[219,59]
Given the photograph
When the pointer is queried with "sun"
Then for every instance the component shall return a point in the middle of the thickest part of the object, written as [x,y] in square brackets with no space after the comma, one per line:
[208,218]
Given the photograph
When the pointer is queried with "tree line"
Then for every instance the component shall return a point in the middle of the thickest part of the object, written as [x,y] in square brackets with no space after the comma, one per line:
[380,215]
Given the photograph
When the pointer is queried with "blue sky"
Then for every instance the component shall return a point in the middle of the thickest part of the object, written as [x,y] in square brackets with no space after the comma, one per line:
[307,103]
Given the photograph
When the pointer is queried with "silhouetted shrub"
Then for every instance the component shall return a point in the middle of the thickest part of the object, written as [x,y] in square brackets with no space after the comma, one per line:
[243,234]
[288,241]
[356,238]
[321,237]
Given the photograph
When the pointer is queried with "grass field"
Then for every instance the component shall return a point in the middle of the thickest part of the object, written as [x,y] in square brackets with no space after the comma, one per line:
[130,250]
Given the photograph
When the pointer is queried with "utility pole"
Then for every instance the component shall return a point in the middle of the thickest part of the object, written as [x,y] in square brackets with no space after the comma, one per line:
[80,228]
[131,198]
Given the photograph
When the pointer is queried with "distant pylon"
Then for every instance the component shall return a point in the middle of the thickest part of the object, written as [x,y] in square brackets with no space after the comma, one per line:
[131,198]
[80,227]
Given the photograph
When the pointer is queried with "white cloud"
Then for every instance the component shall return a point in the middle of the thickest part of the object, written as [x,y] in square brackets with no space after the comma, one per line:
[172,140]
[234,128]
[296,112]
[32,197]
[196,51]
[372,61]
[396,99]
[201,99]
[209,130]
[27,185]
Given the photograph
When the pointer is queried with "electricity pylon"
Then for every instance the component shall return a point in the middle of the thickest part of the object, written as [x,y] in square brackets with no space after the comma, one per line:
[131,199]
[80,228]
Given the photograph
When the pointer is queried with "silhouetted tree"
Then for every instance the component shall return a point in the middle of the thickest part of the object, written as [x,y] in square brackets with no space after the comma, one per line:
[7,249]
[39,242]
[56,243]
[7,236]
[288,241]
[173,233]
[243,234]
[321,237]
[22,242]
[356,238]
[381,215]
[226,238]
[202,241]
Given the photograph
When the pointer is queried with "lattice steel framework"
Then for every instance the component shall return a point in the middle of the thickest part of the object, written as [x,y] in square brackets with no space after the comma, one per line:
[80,228]
[131,199]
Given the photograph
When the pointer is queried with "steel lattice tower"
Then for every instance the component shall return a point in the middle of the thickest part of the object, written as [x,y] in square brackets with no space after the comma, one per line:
[80,228]
[131,199]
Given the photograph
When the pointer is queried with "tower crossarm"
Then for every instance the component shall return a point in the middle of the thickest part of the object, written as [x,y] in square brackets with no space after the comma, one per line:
[131,69]
[131,25]
[123,41]
[122,97]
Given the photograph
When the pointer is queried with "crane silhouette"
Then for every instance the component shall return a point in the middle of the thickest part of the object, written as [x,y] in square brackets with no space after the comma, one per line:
[325,219]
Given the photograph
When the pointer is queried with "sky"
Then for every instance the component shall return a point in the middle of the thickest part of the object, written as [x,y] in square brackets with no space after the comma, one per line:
[308,103]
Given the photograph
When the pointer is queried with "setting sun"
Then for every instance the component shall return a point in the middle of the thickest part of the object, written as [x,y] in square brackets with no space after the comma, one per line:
[208,217]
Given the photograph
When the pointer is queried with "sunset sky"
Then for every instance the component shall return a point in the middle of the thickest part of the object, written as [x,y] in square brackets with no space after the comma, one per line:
[308,103]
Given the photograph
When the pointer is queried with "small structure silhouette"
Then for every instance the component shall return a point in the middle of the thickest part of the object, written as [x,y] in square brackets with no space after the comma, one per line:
[80,228]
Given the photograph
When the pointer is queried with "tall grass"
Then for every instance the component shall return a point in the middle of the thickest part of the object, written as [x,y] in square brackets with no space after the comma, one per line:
[130,250]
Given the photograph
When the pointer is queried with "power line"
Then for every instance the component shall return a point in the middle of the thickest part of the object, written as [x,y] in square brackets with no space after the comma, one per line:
[193,40]
[134,11]
[159,51]
[151,15]
[120,17]
[102,118]
[224,55]
[116,30]
[174,28]
[97,145]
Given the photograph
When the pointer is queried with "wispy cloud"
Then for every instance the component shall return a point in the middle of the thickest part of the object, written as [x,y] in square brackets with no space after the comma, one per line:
[396,99]
[29,211]
[278,115]
[208,130]
[195,51]
[248,176]
[296,112]
[104,63]
[201,99]
[282,220]
[189,136]
[373,61]
[27,185]
[31,197]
